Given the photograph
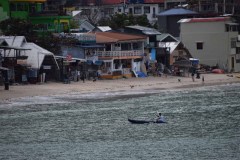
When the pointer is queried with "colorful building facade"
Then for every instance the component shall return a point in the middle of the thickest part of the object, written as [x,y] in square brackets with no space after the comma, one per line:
[37,13]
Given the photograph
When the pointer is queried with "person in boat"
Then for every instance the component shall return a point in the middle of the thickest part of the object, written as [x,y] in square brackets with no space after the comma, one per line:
[160,118]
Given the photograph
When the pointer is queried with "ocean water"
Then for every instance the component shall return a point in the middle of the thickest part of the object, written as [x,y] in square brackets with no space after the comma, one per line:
[202,124]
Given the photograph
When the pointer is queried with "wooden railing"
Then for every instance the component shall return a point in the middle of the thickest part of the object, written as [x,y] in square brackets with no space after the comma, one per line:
[119,53]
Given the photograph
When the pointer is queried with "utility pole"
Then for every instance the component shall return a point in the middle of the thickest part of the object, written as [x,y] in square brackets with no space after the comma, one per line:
[224,7]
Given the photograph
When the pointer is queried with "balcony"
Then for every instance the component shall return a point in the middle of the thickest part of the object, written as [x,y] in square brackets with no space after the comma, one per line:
[238,44]
[48,13]
[120,54]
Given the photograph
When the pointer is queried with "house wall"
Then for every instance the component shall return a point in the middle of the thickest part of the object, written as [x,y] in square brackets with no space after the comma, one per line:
[129,9]
[216,42]
[169,24]
[154,10]
[4,10]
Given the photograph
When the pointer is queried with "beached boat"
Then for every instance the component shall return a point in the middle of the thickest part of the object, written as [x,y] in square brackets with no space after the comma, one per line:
[143,121]
[218,71]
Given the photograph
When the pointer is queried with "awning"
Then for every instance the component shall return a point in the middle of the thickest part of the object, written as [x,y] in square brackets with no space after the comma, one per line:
[12,47]
[63,57]
[89,62]
[3,69]
[92,46]
[98,63]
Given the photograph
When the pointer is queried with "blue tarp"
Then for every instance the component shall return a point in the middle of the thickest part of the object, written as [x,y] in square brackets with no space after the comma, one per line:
[135,1]
[99,63]
[141,74]
[89,62]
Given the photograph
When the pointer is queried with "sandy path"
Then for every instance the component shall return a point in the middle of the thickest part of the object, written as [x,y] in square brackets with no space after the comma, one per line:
[52,88]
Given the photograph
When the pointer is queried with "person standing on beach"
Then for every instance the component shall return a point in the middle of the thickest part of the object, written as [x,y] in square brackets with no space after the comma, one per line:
[193,73]
[83,76]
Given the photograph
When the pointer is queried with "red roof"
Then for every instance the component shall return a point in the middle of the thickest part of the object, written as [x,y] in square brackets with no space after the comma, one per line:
[113,37]
[214,19]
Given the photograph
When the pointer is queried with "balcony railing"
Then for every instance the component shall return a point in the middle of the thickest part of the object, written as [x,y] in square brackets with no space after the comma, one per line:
[48,13]
[120,53]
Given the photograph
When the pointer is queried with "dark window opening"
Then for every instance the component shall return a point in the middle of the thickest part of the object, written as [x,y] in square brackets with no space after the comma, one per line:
[199,45]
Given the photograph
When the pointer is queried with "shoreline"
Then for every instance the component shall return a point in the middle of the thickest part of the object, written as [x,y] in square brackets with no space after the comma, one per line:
[130,84]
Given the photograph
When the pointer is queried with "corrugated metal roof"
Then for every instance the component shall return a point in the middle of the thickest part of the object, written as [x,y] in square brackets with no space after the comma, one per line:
[176,11]
[107,2]
[34,52]
[15,41]
[196,20]
[154,1]
[145,30]
[35,55]
[165,35]
[113,37]
[142,28]
[3,42]
[104,28]
[151,32]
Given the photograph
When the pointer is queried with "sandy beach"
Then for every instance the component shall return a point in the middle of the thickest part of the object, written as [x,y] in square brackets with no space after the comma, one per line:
[58,88]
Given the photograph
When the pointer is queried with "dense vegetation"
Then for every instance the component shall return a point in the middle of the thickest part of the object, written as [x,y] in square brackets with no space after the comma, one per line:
[47,40]
[117,21]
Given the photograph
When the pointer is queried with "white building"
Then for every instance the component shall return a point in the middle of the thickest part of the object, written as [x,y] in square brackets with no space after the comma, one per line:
[212,40]
[27,59]
[106,8]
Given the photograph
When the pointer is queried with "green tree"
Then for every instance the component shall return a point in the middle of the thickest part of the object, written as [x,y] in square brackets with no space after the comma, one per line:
[15,27]
[117,21]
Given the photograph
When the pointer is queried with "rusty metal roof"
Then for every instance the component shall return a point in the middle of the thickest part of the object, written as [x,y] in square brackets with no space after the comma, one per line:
[113,37]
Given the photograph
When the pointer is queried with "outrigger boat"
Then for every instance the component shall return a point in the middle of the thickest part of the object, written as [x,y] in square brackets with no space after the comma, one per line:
[144,121]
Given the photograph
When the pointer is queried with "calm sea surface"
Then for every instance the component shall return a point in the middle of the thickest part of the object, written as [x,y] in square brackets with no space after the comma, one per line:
[203,124]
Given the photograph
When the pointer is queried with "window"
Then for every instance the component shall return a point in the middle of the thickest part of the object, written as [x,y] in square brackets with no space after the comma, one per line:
[108,11]
[13,7]
[238,51]
[233,42]
[146,9]
[130,11]
[199,45]
[126,46]
[137,10]
[21,7]
[137,45]
[231,28]
[154,12]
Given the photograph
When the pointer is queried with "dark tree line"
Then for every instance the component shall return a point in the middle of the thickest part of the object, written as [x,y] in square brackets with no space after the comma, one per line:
[117,21]
[47,40]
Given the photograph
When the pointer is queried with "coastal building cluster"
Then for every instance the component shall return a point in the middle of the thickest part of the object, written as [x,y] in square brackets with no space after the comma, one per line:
[186,36]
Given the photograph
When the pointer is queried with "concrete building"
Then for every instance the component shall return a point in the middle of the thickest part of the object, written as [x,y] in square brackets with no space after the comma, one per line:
[212,40]
[168,20]
[38,12]
[105,8]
